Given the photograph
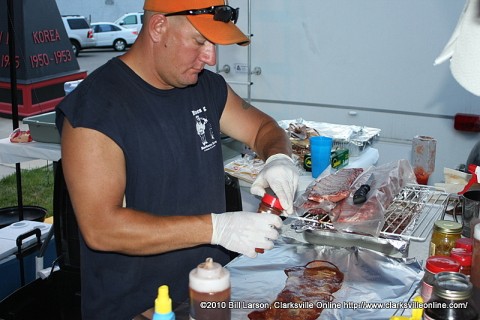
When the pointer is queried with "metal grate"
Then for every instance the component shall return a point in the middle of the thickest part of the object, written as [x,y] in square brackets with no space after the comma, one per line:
[413,211]
[410,215]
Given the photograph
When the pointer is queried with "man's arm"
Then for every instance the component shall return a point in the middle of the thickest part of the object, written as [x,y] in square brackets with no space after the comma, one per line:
[94,170]
[261,132]
[245,123]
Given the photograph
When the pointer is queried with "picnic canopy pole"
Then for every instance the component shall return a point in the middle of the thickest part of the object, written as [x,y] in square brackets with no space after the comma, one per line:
[13,90]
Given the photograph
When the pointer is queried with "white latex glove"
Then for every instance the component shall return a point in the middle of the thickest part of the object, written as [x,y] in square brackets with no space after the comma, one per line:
[281,175]
[242,231]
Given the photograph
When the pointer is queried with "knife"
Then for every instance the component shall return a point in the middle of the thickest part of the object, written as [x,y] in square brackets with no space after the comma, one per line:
[360,196]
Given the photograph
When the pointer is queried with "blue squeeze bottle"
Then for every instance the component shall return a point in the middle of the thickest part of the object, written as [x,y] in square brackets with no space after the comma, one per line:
[163,305]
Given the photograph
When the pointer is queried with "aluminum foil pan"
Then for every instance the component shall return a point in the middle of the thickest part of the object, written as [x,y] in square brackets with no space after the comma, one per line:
[354,138]
[389,246]
[370,277]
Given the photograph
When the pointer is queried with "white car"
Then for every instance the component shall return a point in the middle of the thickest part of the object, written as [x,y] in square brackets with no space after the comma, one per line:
[112,35]
[79,32]
[131,20]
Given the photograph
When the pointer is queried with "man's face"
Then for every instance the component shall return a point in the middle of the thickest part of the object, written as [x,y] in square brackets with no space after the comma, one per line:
[184,53]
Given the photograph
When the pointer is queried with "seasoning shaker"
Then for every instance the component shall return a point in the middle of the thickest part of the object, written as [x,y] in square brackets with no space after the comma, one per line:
[209,289]
[269,204]
[434,265]
[464,258]
[451,298]
[464,243]
[444,236]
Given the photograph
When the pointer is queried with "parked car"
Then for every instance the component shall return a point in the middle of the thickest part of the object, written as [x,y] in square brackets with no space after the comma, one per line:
[131,20]
[79,32]
[112,35]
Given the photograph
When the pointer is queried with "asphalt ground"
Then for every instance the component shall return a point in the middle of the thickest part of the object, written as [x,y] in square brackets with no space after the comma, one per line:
[88,60]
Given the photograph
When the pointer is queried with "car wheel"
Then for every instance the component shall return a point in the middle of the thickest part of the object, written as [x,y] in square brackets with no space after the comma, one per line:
[75,48]
[119,45]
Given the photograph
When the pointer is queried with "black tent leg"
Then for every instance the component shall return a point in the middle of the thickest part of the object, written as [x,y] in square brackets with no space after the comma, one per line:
[13,87]
[19,191]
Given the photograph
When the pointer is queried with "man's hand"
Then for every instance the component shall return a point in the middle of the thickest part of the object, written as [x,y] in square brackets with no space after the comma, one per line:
[242,231]
[281,175]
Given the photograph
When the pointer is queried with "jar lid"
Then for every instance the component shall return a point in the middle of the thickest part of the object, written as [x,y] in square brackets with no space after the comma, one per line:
[436,264]
[272,201]
[464,243]
[452,286]
[446,226]
[462,256]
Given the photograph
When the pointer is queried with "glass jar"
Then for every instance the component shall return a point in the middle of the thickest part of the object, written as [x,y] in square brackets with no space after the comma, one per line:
[434,265]
[464,258]
[445,234]
[269,204]
[451,298]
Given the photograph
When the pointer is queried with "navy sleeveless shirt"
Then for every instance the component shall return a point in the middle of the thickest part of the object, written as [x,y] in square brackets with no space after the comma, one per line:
[174,165]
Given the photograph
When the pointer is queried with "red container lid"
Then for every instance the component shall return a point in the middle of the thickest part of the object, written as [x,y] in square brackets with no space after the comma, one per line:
[462,256]
[464,243]
[436,264]
[271,201]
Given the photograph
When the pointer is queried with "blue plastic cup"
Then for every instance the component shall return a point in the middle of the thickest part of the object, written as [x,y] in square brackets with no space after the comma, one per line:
[320,150]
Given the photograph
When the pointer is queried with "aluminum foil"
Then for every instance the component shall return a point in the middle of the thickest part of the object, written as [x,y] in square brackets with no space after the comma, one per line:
[370,277]
[355,138]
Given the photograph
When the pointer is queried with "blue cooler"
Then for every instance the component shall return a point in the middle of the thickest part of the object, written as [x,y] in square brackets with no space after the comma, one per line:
[16,271]
[57,296]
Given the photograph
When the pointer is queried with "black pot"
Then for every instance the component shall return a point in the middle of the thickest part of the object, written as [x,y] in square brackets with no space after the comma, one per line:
[32,213]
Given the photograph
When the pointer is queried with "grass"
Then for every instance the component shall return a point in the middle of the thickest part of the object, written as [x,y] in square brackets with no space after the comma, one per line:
[37,189]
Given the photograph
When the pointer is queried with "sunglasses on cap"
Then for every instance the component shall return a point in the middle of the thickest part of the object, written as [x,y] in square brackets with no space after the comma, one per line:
[222,13]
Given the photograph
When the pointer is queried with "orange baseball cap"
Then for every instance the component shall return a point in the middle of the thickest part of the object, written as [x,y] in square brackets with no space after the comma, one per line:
[217,32]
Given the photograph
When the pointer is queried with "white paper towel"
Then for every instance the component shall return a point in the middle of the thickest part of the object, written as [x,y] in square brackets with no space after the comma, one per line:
[463,48]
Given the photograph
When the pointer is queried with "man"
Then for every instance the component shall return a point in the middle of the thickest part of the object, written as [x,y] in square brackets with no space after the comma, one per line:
[130,129]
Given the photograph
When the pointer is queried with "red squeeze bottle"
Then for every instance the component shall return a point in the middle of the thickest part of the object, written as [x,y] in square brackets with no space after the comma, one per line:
[269,204]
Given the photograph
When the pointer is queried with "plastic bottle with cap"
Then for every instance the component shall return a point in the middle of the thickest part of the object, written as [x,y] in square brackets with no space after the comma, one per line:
[269,204]
[417,310]
[209,292]
[163,305]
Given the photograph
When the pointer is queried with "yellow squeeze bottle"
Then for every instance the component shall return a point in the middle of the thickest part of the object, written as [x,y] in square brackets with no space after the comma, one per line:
[417,313]
[163,305]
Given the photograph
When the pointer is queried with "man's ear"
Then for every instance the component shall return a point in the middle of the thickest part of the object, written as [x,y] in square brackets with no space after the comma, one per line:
[157,26]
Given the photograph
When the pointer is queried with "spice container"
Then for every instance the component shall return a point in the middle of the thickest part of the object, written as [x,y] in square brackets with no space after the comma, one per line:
[464,258]
[464,243]
[209,286]
[444,236]
[451,298]
[269,204]
[434,265]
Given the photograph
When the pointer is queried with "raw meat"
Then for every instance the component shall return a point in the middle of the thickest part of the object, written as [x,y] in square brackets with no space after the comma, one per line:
[305,290]
[334,187]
